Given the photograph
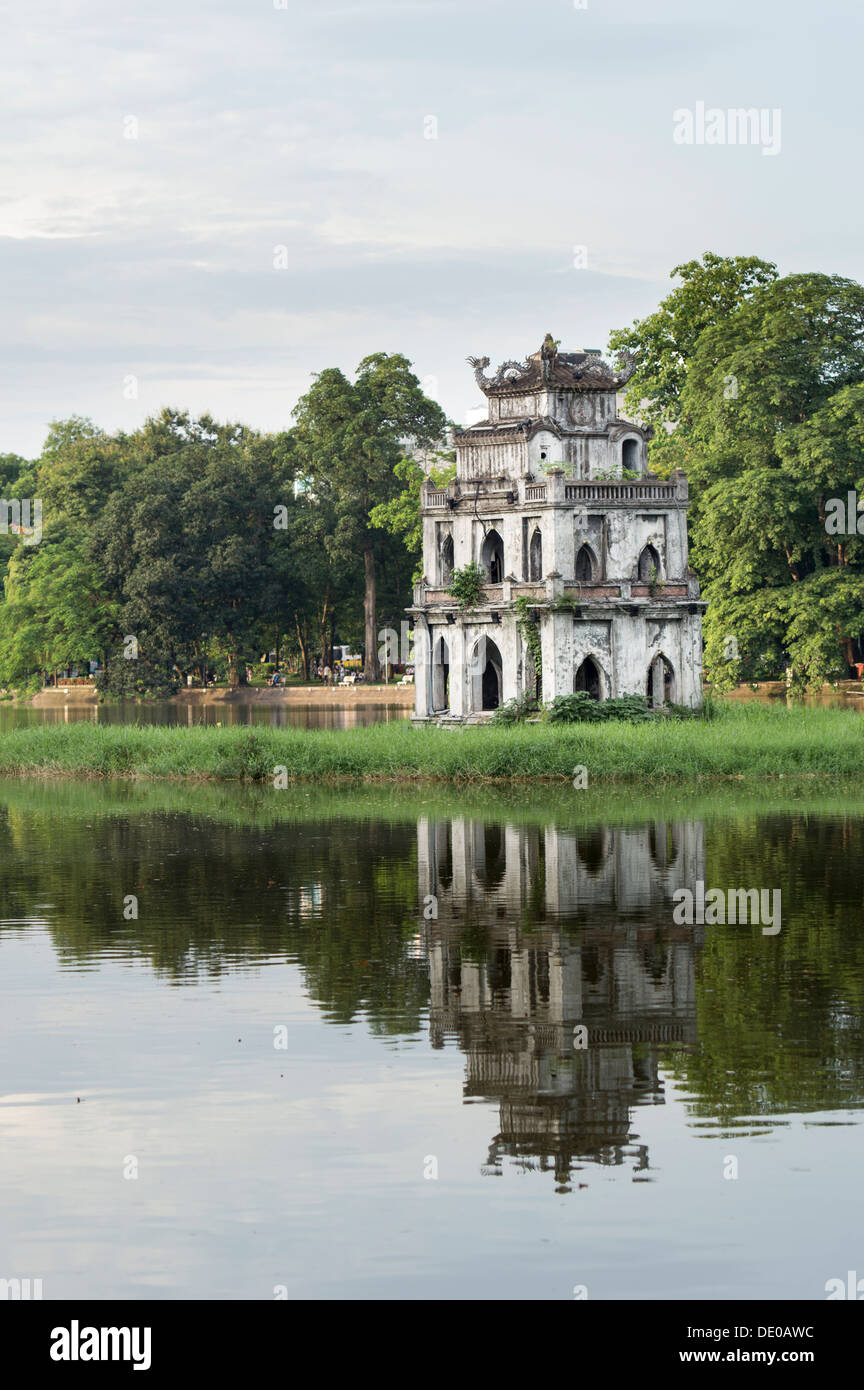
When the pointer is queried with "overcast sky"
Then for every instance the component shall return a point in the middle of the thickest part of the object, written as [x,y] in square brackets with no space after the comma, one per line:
[307,128]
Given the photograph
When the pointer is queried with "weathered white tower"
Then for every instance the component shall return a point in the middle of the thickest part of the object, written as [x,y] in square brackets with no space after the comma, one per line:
[552,500]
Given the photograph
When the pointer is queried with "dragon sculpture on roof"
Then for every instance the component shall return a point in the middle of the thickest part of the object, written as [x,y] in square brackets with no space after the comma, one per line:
[577,369]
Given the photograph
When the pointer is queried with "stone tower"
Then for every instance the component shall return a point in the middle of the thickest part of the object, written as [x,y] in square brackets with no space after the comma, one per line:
[553,501]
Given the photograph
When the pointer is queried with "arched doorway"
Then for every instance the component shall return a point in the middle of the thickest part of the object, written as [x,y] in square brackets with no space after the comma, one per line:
[585,565]
[488,682]
[492,557]
[630,455]
[649,565]
[535,556]
[587,678]
[441,676]
[660,687]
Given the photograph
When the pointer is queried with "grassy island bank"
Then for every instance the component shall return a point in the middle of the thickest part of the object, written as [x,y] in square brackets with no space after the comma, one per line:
[736,741]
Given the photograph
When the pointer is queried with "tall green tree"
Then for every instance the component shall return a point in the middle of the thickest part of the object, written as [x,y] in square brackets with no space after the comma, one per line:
[664,342]
[348,438]
[402,515]
[57,607]
[766,410]
[190,540]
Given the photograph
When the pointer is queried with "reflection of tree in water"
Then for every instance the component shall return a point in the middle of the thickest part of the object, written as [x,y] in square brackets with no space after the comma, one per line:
[780,1018]
[337,898]
[538,929]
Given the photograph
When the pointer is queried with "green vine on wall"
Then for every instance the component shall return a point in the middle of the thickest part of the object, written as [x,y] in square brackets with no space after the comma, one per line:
[527,624]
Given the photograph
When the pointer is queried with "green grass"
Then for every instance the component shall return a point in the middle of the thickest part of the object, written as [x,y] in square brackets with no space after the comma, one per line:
[738,741]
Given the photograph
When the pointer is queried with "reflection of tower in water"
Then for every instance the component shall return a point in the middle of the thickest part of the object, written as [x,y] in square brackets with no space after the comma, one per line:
[541,932]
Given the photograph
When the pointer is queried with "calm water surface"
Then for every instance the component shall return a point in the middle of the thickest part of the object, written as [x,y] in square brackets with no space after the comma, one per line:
[322,1086]
[164,712]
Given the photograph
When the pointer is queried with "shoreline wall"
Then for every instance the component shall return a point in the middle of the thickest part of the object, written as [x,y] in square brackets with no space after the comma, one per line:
[355,696]
[319,696]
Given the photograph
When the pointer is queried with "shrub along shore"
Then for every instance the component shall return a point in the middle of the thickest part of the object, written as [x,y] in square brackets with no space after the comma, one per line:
[733,741]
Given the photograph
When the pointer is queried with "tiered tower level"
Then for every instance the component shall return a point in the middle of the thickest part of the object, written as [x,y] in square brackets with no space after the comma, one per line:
[552,499]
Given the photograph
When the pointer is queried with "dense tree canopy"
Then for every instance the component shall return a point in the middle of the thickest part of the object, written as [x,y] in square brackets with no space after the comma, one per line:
[192,546]
[758,386]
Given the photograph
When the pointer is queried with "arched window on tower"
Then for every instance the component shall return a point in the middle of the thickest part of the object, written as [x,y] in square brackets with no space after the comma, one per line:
[447,560]
[587,678]
[660,686]
[630,455]
[649,565]
[585,565]
[492,557]
[487,675]
[535,556]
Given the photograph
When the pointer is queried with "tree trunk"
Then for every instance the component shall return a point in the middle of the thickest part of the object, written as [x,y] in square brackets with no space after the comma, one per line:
[237,669]
[371,669]
[304,650]
[325,613]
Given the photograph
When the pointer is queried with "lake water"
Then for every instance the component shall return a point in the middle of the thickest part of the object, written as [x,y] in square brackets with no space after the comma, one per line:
[242,712]
[337,1053]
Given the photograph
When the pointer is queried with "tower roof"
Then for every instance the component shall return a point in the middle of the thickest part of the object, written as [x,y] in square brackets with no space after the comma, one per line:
[583,370]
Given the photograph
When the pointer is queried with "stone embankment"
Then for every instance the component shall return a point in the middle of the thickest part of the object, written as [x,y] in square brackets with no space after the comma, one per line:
[325,696]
